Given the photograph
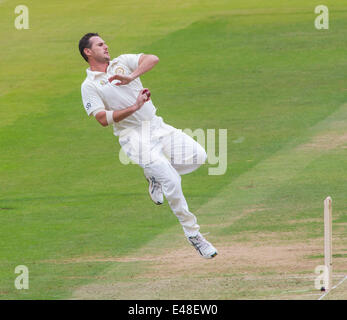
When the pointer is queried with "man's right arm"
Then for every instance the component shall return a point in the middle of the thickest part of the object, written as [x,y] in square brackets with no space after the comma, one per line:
[106,117]
[94,105]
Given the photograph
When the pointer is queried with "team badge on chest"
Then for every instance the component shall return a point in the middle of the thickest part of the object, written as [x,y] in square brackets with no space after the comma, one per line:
[119,70]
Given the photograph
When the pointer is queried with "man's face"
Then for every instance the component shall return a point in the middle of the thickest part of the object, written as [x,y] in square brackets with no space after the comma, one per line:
[98,51]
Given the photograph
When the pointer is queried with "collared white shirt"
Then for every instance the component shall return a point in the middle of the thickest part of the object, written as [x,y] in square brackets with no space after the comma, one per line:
[99,93]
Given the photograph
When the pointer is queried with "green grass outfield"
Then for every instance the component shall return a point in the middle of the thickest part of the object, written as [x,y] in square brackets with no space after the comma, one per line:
[83,223]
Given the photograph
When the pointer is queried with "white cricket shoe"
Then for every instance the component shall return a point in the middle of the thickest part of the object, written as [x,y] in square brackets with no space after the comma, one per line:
[155,191]
[205,248]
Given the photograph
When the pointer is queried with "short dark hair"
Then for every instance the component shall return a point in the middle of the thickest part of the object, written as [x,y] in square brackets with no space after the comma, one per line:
[85,43]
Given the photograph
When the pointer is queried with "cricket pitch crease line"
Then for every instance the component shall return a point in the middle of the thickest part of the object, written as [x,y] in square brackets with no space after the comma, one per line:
[334,287]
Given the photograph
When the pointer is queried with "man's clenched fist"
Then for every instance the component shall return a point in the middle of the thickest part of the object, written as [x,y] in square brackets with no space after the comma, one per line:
[143,97]
[124,79]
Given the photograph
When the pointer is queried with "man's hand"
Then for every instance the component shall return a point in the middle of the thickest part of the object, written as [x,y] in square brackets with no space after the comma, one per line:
[124,79]
[147,92]
[143,97]
[146,63]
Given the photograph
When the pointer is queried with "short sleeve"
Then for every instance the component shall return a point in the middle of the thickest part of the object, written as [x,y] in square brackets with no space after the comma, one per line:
[131,60]
[91,99]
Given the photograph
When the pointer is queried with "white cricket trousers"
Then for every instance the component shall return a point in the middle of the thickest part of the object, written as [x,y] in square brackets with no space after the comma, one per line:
[165,153]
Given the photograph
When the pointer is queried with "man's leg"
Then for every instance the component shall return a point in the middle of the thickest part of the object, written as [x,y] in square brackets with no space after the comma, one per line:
[160,169]
[183,152]
[170,181]
[186,155]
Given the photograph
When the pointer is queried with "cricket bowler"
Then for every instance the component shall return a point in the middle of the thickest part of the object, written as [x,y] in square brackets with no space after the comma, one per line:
[113,93]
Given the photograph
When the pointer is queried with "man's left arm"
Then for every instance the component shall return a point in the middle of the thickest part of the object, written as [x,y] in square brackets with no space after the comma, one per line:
[146,63]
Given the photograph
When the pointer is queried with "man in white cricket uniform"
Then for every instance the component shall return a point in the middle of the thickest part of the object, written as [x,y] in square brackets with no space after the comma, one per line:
[114,95]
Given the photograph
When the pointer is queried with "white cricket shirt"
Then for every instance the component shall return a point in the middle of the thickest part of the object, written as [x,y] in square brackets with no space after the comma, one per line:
[99,93]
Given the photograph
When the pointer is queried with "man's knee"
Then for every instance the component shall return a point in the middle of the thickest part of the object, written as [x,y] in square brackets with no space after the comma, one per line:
[164,173]
[201,155]
[172,185]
